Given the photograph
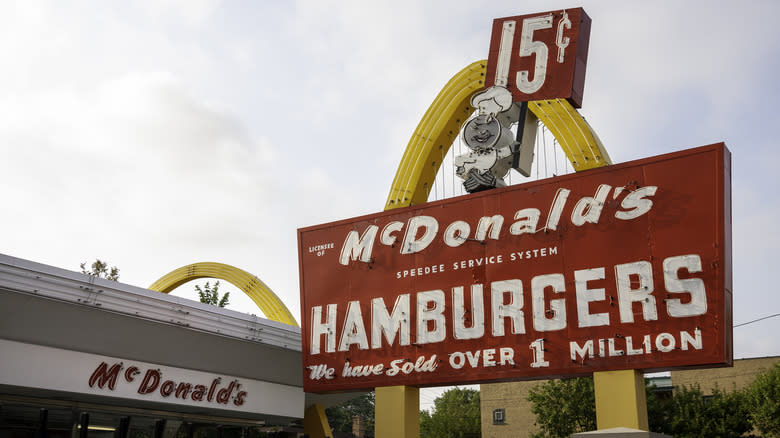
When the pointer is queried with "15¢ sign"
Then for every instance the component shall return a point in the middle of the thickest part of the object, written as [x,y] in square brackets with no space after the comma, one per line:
[540,56]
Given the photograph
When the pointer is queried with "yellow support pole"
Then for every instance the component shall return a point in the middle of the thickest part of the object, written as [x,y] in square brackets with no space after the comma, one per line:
[620,399]
[315,424]
[397,412]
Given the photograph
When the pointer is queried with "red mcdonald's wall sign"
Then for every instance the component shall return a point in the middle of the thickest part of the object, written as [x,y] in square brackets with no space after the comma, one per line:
[153,382]
[622,267]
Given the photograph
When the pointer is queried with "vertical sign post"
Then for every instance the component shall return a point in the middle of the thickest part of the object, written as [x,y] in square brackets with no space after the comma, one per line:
[535,41]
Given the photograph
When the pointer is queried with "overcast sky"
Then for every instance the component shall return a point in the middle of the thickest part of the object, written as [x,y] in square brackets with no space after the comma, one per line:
[154,134]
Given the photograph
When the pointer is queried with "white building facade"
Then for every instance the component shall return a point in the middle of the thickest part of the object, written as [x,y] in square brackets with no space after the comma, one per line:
[86,357]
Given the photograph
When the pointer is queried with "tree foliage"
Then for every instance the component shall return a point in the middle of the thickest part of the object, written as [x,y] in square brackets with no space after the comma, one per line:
[340,416]
[210,295]
[655,406]
[100,269]
[455,414]
[763,399]
[688,413]
[564,407]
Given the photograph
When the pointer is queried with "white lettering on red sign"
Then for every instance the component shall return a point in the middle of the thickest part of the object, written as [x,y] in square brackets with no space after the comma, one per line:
[546,314]
[422,230]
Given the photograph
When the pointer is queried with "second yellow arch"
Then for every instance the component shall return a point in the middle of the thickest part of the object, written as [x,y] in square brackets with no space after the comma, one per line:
[270,304]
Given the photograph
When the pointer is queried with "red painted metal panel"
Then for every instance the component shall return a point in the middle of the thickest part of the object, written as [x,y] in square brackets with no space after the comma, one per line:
[633,272]
[556,48]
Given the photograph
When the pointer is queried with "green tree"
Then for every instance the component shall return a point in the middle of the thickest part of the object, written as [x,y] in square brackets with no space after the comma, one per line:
[340,416]
[688,413]
[763,399]
[210,295]
[563,407]
[655,406]
[100,269]
[455,414]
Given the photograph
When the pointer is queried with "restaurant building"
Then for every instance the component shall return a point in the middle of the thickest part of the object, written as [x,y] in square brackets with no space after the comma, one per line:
[84,356]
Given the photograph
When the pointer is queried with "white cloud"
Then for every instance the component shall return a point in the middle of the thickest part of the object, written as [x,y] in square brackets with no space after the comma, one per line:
[193,12]
[138,156]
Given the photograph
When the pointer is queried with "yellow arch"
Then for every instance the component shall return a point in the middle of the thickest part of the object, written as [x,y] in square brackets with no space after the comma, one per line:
[439,126]
[433,137]
[273,308]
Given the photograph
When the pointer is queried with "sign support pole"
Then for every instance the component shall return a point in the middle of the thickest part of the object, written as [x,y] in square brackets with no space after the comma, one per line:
[397,412]
[620,399]
[315,424]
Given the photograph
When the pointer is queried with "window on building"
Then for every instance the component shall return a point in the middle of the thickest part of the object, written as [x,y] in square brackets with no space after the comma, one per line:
[499,416]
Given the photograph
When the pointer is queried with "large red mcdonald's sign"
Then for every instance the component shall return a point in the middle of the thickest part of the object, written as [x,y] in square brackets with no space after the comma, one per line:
[622,267]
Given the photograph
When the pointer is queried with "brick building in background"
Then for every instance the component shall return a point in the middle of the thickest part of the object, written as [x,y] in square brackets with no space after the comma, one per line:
[506,411]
